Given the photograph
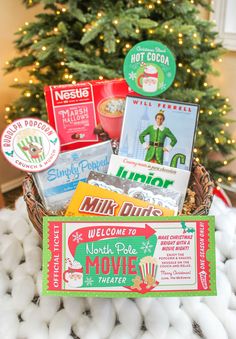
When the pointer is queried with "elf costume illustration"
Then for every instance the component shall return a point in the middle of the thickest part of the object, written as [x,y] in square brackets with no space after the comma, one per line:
[158,133]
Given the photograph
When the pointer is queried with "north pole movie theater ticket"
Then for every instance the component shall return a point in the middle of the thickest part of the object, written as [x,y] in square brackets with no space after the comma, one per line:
[129,256]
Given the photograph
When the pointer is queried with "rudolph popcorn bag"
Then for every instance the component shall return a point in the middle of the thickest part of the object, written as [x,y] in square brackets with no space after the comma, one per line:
[129,257]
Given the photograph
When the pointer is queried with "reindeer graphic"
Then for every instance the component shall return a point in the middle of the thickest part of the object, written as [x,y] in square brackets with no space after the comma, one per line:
[34,150]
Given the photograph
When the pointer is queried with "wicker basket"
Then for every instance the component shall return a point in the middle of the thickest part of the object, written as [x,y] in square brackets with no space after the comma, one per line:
[198,199]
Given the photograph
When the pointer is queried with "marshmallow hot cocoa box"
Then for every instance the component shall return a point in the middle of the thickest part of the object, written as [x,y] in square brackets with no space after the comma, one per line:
[150,173]
[78,111]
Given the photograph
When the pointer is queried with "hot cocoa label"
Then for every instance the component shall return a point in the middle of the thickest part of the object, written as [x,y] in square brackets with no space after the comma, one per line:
[149,68]
[129,257]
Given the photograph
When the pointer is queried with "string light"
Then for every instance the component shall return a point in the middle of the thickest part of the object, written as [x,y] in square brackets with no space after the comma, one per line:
[118,41]
[195,35]
[180,35]
[27,94]
[159,2]
[60,49]
[217,141]
[62,63]
[44,48]
[201,111]
[127,45]
[7,109]
[220,60]
[219,180]
[58,12]
[171,30]
[227,99]
[229,141]
[180,42]
[229,178]
[150,31]
[205,84]
[199,133]
[197,159]
[210,112]
[63,10]
[100,77]
[55,29]
[180,64]
[196,100]
[227,124]
[188,70]
[84,29]
[195,150]
[30,81]
[137,31]
[16,79]
[150,6]
[73,82]
[35,41]
[225,162]
[222,132]
[99,14]
[115,22]
[166,26]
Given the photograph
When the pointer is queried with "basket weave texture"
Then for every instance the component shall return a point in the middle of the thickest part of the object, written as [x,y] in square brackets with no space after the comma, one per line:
[200,189]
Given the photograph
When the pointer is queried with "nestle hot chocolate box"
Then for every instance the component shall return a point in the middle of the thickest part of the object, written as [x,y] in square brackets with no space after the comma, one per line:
[78,112]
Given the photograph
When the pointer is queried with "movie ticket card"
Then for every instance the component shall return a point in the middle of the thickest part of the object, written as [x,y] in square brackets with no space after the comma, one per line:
[97,201]
[129,257]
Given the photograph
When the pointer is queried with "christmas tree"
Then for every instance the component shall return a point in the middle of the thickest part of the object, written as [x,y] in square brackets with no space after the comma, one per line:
[74,40]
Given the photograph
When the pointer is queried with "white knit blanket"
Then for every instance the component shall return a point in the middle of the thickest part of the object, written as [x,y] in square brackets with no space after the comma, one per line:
[24,313]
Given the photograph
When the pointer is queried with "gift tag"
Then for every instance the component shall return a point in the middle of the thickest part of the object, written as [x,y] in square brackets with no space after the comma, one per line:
[149,68]
[30,144]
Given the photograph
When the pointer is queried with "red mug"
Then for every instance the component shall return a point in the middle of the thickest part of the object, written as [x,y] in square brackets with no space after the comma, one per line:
[149,79]
[71,270]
